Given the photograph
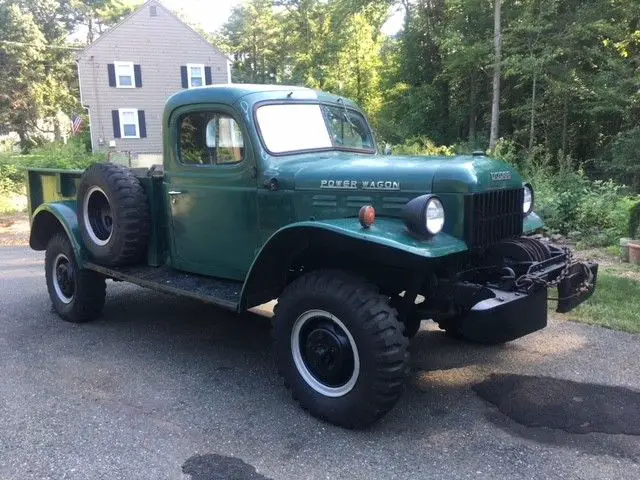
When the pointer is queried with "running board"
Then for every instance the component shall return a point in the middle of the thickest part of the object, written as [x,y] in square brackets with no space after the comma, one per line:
[224,293]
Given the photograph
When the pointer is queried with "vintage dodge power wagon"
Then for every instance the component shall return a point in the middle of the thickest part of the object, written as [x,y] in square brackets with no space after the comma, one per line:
[276,192]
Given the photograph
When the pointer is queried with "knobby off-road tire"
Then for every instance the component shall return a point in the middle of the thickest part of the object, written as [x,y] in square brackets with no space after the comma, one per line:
[113,213]
[340,348]
[77,294]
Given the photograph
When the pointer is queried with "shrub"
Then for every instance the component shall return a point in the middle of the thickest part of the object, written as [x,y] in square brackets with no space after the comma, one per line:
[568,201]
[604,213]
[72,155]
[422,145]
[621,162]
[11,179]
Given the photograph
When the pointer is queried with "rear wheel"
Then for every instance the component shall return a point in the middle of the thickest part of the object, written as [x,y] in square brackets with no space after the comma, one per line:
[340,348]
[77,294]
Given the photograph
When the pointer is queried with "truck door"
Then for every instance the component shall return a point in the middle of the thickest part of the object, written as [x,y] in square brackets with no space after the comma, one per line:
[210,187]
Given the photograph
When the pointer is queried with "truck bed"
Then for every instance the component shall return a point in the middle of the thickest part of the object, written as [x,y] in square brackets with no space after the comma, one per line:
[224,293]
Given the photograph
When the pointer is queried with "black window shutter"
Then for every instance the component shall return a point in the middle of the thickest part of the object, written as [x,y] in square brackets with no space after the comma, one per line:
[142,124]
[111,70]
[185,77]
[137,72]
[115,117]
[207,76]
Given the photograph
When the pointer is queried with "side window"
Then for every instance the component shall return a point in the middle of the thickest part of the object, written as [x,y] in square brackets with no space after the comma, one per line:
[348,128]
[207,138]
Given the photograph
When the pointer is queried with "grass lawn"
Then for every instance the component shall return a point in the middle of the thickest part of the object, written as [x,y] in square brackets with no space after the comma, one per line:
[616,301]
[615,304]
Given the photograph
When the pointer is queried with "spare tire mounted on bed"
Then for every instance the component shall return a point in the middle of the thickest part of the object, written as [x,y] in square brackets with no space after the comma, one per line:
[113,213]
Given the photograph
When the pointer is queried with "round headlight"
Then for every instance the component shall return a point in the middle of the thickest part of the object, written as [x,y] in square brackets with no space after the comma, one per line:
[424,215]
[434,216]
[527,204]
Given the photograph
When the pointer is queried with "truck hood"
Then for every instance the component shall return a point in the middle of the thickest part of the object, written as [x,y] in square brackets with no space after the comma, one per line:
[341,171]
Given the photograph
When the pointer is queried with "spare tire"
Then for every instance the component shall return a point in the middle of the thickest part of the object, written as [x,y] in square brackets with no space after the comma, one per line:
[113,213]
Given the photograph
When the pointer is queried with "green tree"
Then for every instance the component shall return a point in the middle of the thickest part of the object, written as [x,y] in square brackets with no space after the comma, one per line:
[355,72]
[21,49]
[307,30]
[98,15]
[58,88]
[254,38]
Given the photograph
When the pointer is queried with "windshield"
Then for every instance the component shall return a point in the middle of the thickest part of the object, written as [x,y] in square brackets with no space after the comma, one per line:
[304,126]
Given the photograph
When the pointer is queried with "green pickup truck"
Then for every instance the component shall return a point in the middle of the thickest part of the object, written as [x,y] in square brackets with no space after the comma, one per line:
[276,192]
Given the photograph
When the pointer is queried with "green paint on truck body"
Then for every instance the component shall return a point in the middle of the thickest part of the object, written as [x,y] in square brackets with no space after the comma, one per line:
[225,215]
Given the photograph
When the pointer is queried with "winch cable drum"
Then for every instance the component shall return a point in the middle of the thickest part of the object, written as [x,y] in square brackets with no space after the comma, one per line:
[528,251]
[519,250]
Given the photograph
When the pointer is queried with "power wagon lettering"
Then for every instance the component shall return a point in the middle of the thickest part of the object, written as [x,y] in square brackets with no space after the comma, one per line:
[364,185]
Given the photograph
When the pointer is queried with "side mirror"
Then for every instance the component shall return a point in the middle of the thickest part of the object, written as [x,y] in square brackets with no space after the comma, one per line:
[387,149]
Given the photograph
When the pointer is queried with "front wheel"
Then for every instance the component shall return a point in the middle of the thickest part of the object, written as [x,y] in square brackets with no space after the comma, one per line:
[340,348]
[77,294]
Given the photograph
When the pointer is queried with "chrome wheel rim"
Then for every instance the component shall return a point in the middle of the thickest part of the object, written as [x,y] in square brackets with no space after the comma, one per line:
[63,277]
[98,217]
[325,353]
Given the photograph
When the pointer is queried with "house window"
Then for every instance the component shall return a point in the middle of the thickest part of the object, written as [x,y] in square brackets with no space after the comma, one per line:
[124,75]
[129,125]
[196,74]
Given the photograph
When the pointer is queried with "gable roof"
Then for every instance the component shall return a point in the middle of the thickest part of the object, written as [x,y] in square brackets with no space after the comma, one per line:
[155,3]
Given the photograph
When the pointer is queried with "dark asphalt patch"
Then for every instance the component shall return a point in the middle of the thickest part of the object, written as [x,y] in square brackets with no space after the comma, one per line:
[219,467]
[563,404]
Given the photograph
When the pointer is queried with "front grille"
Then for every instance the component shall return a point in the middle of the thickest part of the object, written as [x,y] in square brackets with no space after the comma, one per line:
[493,216]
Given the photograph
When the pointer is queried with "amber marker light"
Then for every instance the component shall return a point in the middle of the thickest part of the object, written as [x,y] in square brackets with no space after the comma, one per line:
[367,216]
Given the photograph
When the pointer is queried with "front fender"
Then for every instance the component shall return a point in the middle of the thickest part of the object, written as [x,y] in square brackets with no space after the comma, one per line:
[386,238]
[51,218]
[531,223]
[388,232]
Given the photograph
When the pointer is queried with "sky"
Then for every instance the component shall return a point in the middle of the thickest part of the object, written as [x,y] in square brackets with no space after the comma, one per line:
[212,14]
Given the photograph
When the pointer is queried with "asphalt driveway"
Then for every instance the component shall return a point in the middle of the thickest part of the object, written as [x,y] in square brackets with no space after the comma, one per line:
[166,388]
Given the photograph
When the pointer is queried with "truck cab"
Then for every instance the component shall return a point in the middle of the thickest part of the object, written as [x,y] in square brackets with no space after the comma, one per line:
[232,154]
[279,192]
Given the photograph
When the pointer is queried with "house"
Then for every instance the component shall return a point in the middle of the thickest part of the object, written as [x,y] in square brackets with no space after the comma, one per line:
[128,73]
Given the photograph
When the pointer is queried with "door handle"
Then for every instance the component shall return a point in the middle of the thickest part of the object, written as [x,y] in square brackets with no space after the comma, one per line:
[174,192]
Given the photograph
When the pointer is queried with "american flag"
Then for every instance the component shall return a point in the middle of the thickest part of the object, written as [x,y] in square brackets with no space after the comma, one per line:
[76,124]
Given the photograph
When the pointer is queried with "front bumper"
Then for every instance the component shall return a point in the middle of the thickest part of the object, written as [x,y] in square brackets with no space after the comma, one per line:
[504,315]
[572,291]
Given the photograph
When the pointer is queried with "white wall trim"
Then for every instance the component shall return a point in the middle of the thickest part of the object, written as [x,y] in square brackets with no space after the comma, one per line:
[195,65]
[121,112]
[128,65]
